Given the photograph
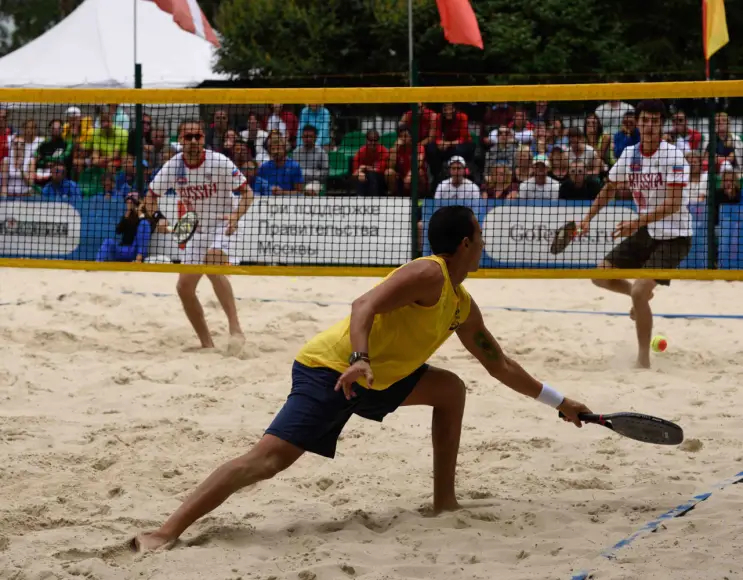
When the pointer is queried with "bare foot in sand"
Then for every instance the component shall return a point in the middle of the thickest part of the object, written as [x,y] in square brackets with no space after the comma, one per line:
[642,362]
[235,344]
[149,542]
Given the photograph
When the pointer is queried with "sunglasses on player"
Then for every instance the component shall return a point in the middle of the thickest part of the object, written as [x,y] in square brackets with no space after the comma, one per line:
[193,137]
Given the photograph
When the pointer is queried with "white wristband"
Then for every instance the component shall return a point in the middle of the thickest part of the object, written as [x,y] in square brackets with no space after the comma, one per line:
[550,396]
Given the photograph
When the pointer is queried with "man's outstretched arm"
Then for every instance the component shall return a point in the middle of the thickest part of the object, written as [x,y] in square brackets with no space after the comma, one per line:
[478,340]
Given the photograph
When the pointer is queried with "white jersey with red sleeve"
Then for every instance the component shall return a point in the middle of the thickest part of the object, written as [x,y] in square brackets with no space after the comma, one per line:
[206,188]
[648,178]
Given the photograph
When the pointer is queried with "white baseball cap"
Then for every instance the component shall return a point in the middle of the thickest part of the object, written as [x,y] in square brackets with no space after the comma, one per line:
[73,111]
[457,159]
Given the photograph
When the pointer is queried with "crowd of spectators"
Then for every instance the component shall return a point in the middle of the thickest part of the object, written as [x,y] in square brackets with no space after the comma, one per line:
[509,152]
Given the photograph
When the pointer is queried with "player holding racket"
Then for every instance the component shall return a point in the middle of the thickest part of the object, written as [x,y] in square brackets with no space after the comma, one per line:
[660,237]
[205,181]
[374,361]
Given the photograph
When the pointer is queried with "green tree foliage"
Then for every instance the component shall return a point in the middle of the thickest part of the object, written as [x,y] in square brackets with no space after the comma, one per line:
[524,39]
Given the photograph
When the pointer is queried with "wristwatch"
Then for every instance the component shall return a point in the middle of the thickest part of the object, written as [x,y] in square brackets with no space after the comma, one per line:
[357,356]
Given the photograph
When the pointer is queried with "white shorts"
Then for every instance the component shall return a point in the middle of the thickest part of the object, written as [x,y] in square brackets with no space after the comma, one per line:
[202,242]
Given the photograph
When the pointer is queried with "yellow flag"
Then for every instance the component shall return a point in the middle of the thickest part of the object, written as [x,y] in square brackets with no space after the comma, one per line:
[715,26]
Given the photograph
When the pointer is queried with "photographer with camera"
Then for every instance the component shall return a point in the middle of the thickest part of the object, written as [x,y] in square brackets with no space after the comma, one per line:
[135,229]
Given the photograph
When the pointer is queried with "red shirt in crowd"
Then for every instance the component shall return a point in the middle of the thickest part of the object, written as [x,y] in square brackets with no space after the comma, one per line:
[291,122]
[455,129]
[4,151]
[427,119]
[374,156]
[404,160]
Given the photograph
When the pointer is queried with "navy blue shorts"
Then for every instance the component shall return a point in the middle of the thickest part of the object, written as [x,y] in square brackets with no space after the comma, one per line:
[314,413]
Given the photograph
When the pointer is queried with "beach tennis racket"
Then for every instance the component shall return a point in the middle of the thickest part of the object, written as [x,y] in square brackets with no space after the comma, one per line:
[185,227]
[562,238]
[645,428]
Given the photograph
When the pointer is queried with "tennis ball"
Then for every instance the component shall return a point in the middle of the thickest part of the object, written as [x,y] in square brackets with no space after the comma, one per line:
[659,343]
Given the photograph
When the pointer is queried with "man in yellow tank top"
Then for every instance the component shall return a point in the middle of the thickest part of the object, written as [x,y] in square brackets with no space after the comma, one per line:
[371,363]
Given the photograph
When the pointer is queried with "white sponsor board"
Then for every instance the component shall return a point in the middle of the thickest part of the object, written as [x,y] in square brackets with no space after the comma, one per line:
[324,230]
[38,229]
[522,234]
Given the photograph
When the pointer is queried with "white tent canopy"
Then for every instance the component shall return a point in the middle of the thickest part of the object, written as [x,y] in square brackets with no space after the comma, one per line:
[94,47]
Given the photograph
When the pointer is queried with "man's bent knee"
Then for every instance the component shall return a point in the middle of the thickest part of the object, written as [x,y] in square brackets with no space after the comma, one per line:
[641,290]
[186,285]
[269,457]
[216,257]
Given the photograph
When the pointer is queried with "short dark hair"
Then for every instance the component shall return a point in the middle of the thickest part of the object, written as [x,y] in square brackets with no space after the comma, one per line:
[651,106]
[448,226]
[310,128]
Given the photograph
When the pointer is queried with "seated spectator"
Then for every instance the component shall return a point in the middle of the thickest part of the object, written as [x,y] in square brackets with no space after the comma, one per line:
[579,150]
[399,174]
[255,137]
[497,115]
[457,186]
[283,175]
[135,229]
[628,135]
[523,168]
[523,130]
[259,185]
[127,175]
[452,138]
[117,115]
[31,139]
[681,135]
[214,138]
[543,113]
[228,142]
[59,187]
[541,143]
[502,148]
[52,150]
[17,177]
[729,145]
[319,117]
[559,138]
[579,186]
[108,143]
[109,187]
[499,183]
[540,186]
[157,152]
[313,160]
[698,185]
[599,141]
[369,165]
[612,115]
[284,121]
[427,123]
[559,164]
[729,190]
[131,143]
[77,129]
[241,155]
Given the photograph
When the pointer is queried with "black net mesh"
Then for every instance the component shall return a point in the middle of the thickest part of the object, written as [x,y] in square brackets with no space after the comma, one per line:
[340,185]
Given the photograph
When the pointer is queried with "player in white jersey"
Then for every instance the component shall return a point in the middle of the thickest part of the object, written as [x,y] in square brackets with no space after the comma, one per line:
[656,173]
[205,182]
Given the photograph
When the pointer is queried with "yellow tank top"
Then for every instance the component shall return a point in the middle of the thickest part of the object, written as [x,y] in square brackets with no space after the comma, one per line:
[400,341]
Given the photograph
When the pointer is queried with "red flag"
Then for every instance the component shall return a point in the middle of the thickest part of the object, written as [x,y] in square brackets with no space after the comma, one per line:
[459,22]
[189,17]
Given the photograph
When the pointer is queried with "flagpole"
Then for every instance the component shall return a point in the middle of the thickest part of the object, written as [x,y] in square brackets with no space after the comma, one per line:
[139,184]
[410,42]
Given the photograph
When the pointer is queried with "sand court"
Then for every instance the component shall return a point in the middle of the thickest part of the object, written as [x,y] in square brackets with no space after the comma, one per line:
[108,420]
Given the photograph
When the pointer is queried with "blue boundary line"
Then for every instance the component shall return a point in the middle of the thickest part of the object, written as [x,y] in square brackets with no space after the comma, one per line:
[505,308]
[677,512]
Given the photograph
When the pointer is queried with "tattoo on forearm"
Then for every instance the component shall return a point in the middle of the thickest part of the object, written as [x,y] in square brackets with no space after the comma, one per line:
[483,343]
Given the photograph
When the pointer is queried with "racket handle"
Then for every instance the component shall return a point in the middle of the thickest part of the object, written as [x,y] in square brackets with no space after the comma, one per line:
[581,416]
